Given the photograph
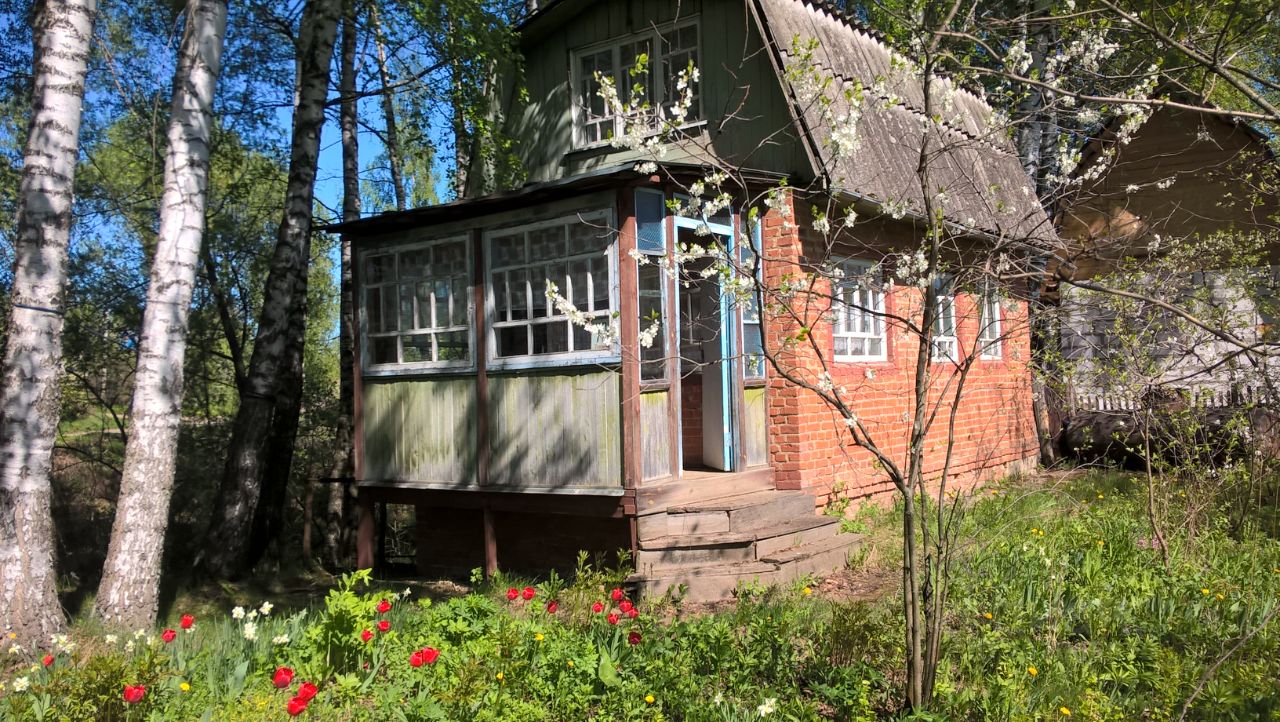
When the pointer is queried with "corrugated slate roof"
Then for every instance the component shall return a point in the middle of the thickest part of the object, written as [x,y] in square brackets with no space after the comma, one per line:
[975,164]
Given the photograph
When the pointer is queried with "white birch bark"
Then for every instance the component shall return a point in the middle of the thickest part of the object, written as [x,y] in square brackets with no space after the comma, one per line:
[238,494]
[128,594]
[33,353]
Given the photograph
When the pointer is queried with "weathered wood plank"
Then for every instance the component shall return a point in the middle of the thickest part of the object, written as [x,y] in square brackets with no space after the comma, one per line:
[420,430]
[754,426]
[554,430]
[655,429]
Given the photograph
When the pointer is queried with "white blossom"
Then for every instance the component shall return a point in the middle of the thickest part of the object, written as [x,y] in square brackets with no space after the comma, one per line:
[266,608]
[111,639]
[280,639]
[237,613]
[21,684]
[250,631]
[769,707]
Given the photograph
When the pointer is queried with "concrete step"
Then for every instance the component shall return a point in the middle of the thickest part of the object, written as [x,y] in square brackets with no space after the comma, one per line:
[744,512]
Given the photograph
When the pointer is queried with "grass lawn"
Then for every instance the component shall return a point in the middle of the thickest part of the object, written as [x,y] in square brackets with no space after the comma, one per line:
[1060,608]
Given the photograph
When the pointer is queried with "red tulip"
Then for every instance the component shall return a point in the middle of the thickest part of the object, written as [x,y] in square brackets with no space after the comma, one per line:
[133,694]
[626,606]
[429,654]
[634,638]
[48,660]
[528,593]
[613,618]
[296,706]
[168,635]
[307,691]
[186,621]
[633,613]
[282,678]
[552,606]
[366,635]
[415,659]
[512,593]
[384,626]
[597,608]
[384,606]
[616,595]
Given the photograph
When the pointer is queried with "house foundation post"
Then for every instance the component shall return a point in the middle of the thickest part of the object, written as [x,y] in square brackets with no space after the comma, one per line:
[365,531]
[490,544]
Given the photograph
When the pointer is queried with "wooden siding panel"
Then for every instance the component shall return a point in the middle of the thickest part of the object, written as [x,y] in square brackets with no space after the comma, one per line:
[420,430]
[655,430]
[555,430]
[755,419]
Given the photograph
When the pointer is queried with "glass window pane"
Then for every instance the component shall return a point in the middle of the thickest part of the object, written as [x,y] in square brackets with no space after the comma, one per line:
[538,294]
[441,302]
[380,269]
[384,350]
[651,211]
[389,306]
[546,244]
[513,341]
[373,309]
[406,307]
[415,264]
[518,294]
[424,305]
[415,348]
[579,290]
[452,346]
[600,283]
[461,298]
[508,250]
[752,351]
[651,323]
[550,337]
[587,238]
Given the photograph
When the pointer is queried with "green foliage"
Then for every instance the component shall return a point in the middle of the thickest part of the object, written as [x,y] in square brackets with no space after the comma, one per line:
[1061,603]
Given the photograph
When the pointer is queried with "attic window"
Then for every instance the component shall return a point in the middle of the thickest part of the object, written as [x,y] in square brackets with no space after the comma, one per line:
[621,59]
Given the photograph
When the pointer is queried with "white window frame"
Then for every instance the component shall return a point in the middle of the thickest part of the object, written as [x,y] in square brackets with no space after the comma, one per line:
[657,70]
[367,336]
[601,217]
[991,345]
[860,276]
[946,347]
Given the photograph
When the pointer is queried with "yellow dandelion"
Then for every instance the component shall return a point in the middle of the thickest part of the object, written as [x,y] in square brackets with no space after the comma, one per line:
[571,664]
[1205,591]
[807,591]
[648,699]
[14,635]
[1219,597]
[986,615]
[538,637]
[1101,495]
[1101,543]
[184,687]
[500,676]
[1032,671]
[1065,712]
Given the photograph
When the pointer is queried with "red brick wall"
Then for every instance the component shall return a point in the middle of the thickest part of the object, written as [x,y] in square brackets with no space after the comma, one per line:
[691,418]
[810,446]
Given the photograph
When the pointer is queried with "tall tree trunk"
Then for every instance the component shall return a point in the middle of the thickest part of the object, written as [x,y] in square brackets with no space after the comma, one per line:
[128,595]
[227,541]
[268,522]
[461,140]
[391,142]
[336,514]
[33,353]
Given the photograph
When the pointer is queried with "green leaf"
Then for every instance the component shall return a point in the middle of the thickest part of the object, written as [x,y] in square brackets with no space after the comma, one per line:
[608,675]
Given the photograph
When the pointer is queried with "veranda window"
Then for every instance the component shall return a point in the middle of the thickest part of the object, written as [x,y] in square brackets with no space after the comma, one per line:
[632,64]
[859,332]
[416,305]
[574,255]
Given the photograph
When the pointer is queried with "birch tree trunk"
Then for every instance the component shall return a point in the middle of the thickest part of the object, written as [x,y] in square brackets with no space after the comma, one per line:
[349,118]
[128,595]
[227,541]
[33,353]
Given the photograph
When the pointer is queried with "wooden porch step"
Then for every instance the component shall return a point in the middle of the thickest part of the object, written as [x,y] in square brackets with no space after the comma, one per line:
[654,498]
[745,512]
[730,547]
[715,582]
